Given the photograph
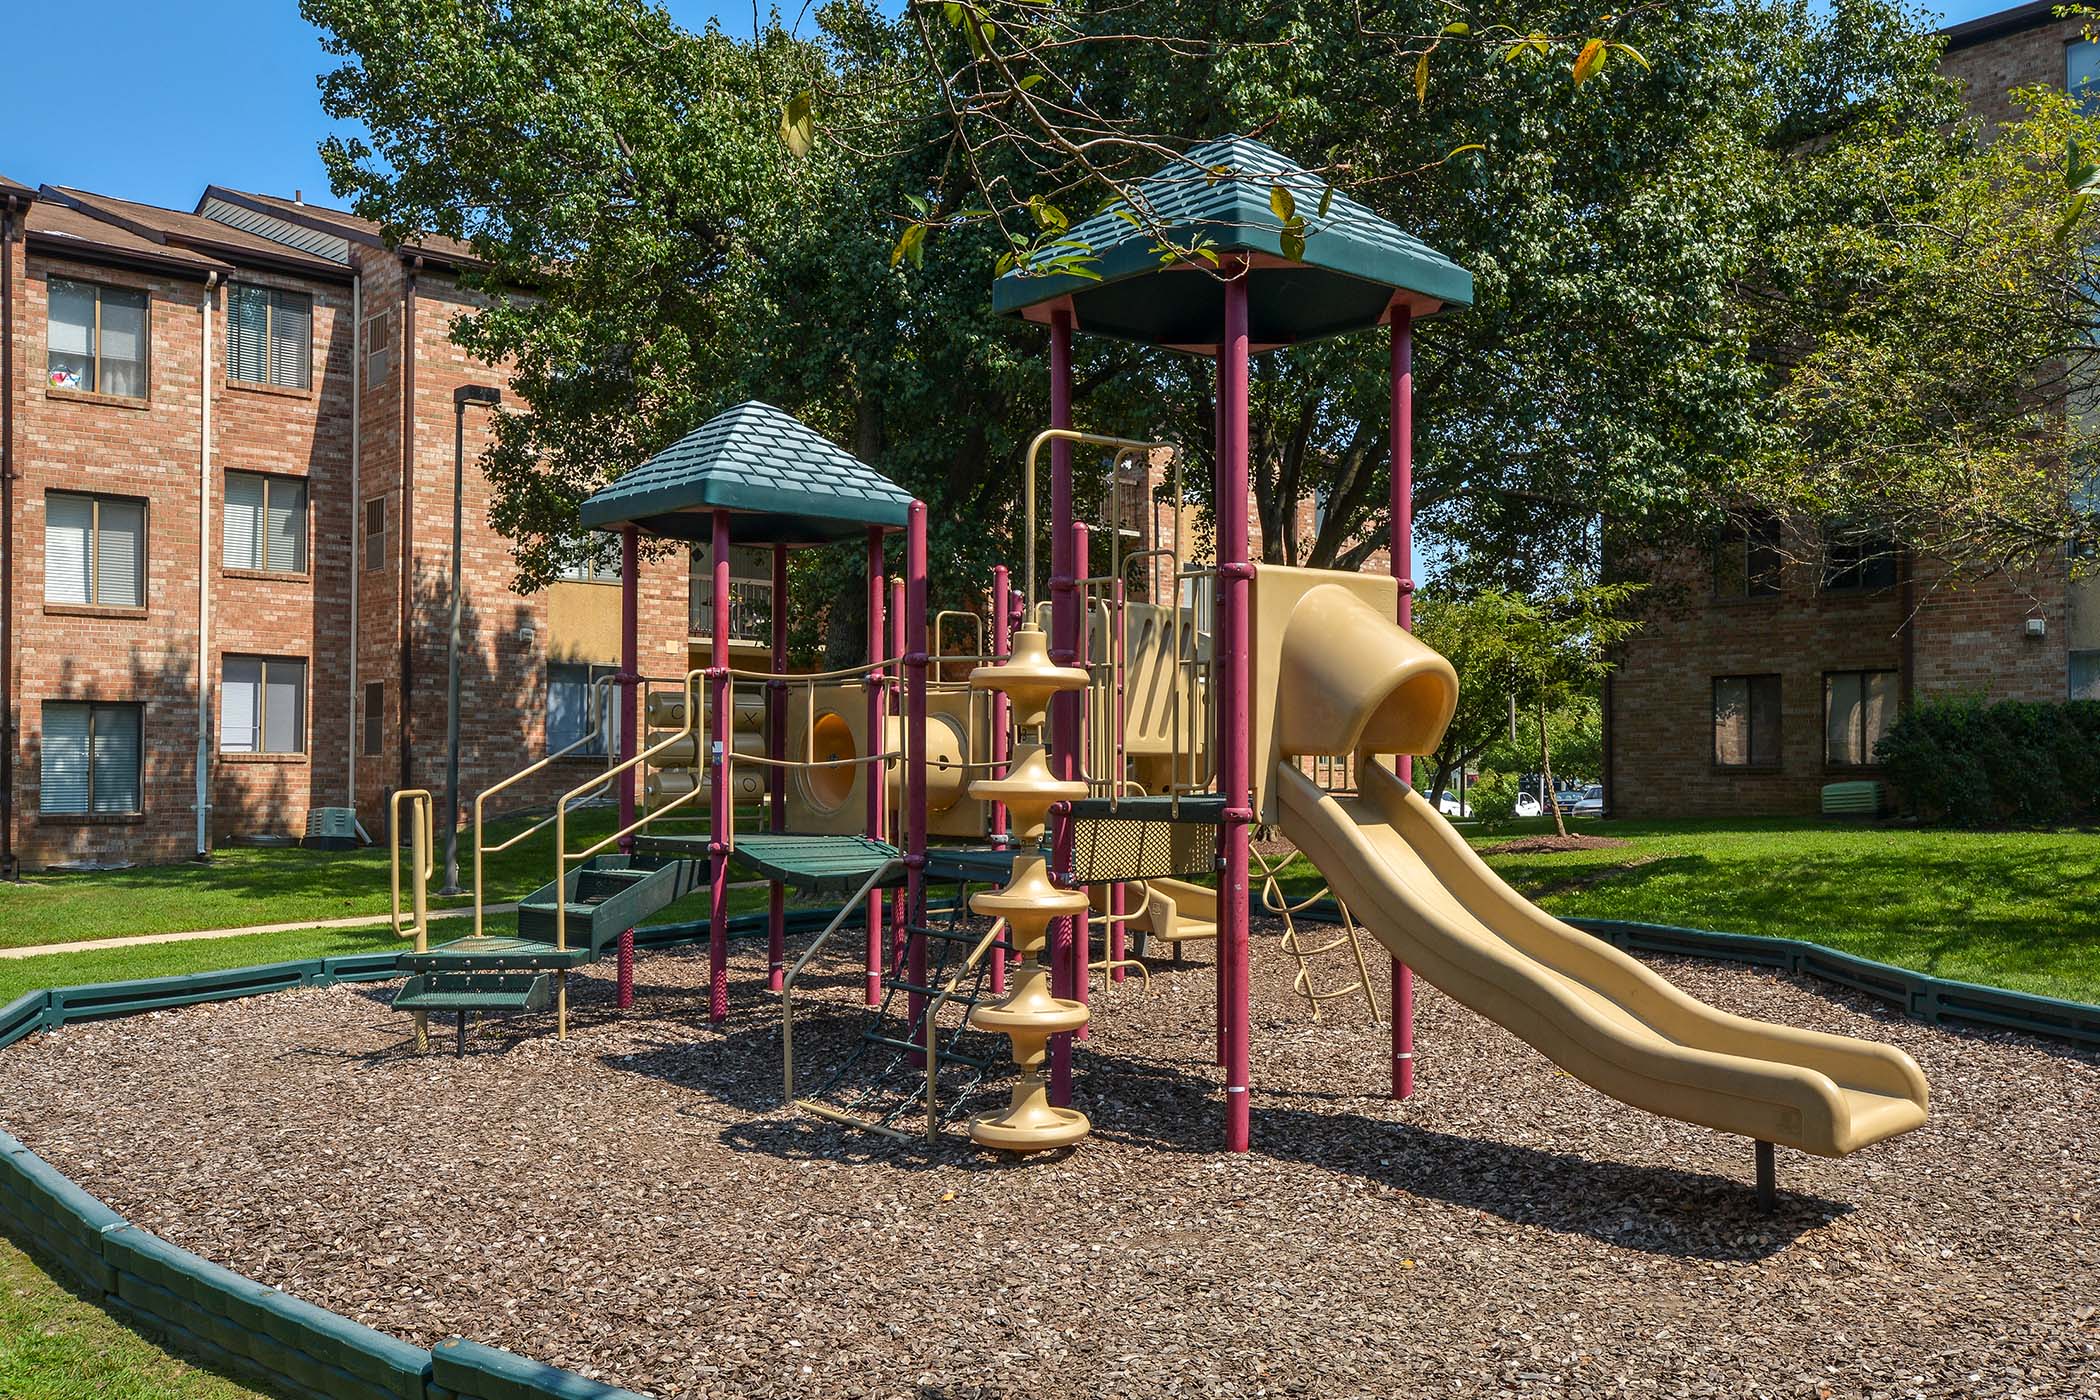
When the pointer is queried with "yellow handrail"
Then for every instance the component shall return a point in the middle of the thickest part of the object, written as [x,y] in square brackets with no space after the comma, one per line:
[1123,446]
[602,733]
[420,863]
[561,823]
[933,1050]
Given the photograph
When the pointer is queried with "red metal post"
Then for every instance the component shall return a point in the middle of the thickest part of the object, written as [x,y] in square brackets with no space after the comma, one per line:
[721,816]
[915,662]
[776,778]
[625,687]
[1234,575]
[1002,646]
[1079,942]
[1221,982]
[625,684]
[1403,546]
[1064,708]
[898,826]
[871,774]
[1116,644]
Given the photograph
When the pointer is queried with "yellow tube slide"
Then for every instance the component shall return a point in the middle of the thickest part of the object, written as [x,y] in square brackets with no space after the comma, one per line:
[1414,883]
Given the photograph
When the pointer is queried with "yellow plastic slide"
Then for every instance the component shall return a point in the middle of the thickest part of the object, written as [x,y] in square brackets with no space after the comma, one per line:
[1347,680]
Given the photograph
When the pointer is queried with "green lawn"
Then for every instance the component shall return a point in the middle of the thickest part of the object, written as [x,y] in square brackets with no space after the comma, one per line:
[244,885]
[2007,908]
[54,1346]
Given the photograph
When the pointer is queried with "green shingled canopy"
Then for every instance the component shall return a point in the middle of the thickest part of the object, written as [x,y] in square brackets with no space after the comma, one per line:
[785,483]
[1354,267]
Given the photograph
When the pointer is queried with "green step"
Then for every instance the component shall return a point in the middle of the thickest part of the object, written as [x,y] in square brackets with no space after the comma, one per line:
[606,896]
[495,953]
[475,991]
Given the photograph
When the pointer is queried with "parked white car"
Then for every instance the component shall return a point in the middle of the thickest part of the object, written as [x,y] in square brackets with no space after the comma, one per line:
[1448,803]
[1591,803]
[1527,805]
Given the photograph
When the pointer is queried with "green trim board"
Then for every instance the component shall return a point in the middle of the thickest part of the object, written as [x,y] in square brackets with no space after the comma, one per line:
[785,483]
[1352,267]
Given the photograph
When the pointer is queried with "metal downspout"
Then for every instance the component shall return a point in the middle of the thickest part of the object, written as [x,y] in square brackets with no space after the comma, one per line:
[204,378]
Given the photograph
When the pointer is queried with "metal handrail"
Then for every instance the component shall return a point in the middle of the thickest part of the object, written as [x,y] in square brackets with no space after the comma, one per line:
[561,817]
[933,1039]
[421,864]
[601,733]
[1124,447]
[787,992]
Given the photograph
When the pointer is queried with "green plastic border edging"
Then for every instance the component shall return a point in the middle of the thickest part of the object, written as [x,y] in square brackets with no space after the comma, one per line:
[1937,1000]
[221,1317]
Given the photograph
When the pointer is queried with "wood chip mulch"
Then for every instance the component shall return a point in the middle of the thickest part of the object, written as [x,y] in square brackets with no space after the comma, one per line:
[631,1204]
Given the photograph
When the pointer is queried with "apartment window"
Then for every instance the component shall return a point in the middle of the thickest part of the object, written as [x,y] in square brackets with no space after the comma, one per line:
[94,551]
[97,341]
[2082,73]
[1746,721]
[265,523]
[1858,708]
[90,760]
[262,705]
[594,559]
[375,534]
[2085,675]
[569,700]
[1747,563]
[374,717]
[750,593]
[1856,562]
[379,348]
[269,337]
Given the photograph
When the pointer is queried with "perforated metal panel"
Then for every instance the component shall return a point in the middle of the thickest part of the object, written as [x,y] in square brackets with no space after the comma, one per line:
[1121,848]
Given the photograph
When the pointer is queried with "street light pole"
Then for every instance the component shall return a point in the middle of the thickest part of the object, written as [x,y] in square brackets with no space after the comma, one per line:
[488,396]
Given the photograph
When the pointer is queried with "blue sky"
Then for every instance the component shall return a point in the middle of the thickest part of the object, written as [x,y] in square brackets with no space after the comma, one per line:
[153,116]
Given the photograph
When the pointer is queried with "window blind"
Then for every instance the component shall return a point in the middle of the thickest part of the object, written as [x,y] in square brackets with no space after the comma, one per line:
[244,521]
[71,335]
[291,339]
[65,745]
[114,758]
[120,554]
[285,518]
[240,705]
[68,523]
[247,333]
[284,706]
[121,357]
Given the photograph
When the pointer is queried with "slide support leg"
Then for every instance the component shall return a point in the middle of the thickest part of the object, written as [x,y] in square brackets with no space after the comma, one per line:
[1767,1179]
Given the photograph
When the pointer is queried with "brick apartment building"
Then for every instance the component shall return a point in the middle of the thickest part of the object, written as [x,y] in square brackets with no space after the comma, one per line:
[1772,665]
[224,576]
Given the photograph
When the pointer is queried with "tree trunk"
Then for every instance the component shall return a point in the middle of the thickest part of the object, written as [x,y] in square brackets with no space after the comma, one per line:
[1560,823]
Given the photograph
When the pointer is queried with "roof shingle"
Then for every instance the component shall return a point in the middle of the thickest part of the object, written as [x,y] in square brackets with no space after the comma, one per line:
[1218,197]
[786,483]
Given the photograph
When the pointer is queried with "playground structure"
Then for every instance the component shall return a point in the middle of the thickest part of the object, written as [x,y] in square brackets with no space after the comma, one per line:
[1163,732]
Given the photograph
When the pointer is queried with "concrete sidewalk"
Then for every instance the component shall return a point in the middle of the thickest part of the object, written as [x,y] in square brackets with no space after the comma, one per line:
[190,935]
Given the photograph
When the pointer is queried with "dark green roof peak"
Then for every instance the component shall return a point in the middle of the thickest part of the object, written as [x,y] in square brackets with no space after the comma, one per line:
[785,482]
[1354,266]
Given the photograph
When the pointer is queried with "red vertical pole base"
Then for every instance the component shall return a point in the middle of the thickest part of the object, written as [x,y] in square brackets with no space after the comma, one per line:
[623,996]
[875,959]
[718,942]
[776,938]
[1403,1030]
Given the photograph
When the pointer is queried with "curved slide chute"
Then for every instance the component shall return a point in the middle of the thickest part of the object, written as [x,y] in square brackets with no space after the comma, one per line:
[1413,882]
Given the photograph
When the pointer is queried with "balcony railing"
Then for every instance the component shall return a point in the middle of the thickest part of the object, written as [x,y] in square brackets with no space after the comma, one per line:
[750,609]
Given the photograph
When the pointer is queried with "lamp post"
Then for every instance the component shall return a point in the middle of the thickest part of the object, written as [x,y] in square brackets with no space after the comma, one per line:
[488,396]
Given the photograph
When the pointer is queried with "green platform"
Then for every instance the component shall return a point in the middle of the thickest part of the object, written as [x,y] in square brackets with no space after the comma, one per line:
[833,865]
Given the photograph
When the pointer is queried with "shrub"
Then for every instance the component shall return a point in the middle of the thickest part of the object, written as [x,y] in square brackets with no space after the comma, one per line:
[1966,763]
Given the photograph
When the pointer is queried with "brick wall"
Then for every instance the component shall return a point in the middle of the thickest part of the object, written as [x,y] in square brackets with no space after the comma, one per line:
[145,451]
[1989,72]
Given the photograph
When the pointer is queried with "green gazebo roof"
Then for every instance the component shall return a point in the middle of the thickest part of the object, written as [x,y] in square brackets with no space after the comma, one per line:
[785,483]
[1354,267]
